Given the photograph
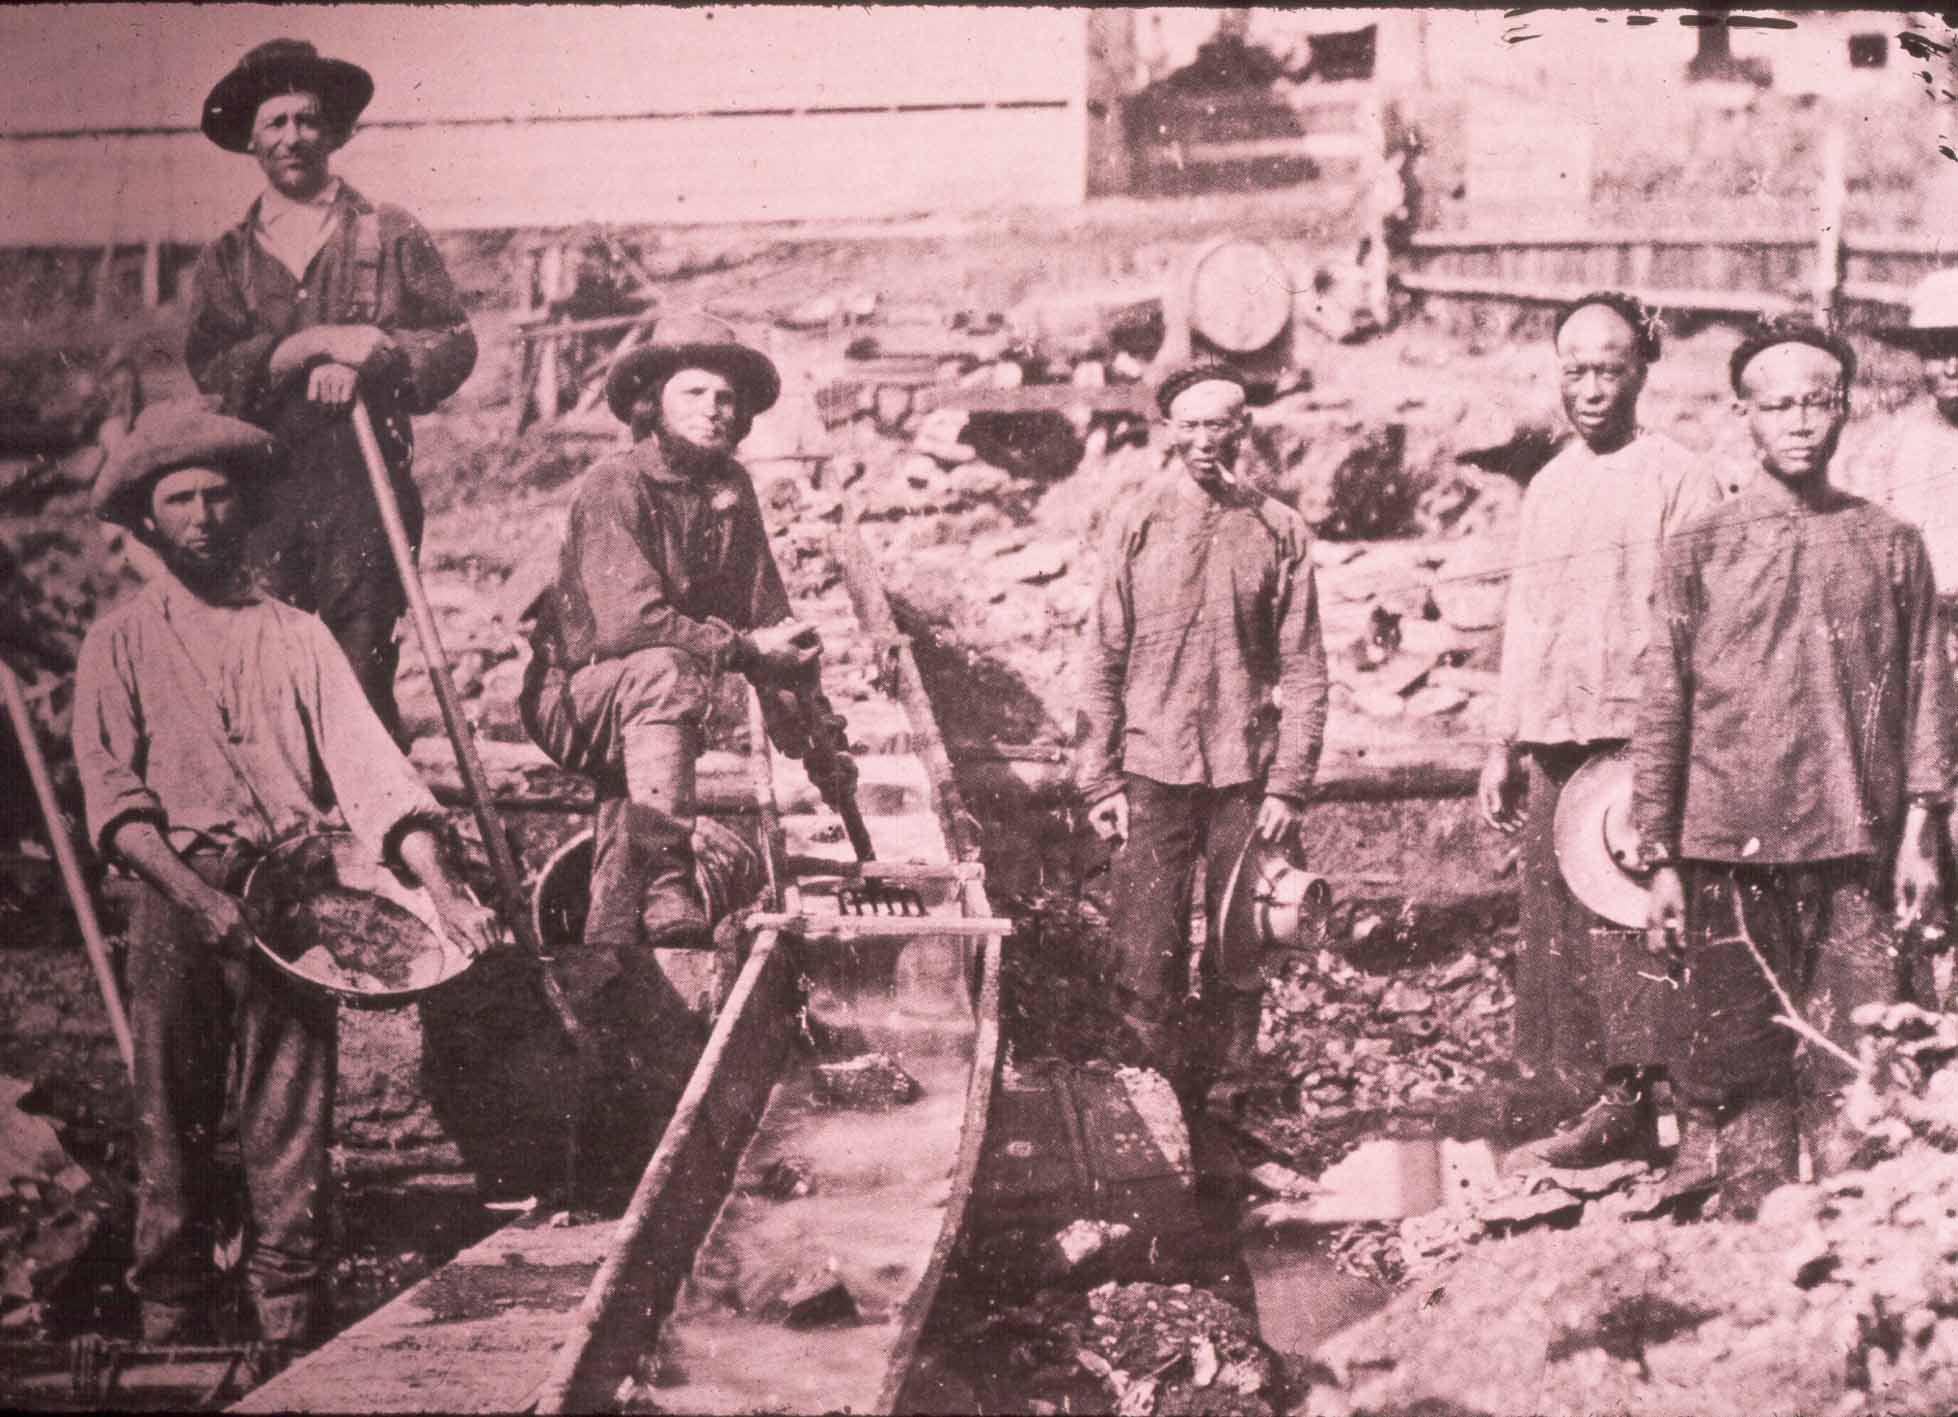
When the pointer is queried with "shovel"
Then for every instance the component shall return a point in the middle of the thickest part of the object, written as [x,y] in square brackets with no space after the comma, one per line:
[509,886]
[71,870]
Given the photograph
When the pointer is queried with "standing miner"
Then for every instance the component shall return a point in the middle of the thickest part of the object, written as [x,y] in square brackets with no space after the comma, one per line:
[210,721]
[1203,704]
[1578,617]
[316,296]
[664,579]
[1793,745]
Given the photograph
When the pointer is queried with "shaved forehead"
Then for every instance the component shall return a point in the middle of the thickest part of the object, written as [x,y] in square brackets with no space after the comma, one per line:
[1791,369]
[1213,398]
[1597,328]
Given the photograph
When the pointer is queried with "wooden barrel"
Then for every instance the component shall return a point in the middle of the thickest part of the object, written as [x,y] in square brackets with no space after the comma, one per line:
[1240,295]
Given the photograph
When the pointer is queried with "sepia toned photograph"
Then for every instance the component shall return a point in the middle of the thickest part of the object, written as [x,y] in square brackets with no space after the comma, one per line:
[1240,712]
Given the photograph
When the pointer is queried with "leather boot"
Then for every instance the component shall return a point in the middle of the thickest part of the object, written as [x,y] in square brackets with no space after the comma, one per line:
[659,775]
[1695,1165]
[1617,1125]
[1760,1151]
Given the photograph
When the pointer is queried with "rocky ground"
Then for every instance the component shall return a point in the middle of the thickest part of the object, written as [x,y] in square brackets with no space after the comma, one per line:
[1407,454]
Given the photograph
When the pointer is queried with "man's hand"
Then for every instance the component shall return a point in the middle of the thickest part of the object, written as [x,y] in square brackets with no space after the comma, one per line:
[1278,818]
[469,925]
[356,346]
[1110,817]
[1665,912]
[220,921]
[1499,790]
[1915,886]
[786,647]
[332,385]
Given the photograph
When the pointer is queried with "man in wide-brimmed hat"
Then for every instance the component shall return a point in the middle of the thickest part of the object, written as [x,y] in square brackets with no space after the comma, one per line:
[1202,706]
[1578,616]
[316,296]
[211,720]
[665,579]
[1793,748]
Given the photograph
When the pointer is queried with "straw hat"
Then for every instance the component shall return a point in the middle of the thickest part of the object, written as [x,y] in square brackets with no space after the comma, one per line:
[1270,900]
[167,436]
[284,66]
[692,341]
[1597,845]
[1933,322]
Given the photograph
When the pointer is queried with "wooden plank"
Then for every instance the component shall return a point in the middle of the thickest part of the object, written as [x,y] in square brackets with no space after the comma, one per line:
[472,1337]
[1040,398]
[682,1189]
[1936,246]
[550,329]
[1877,292]
[1494,239]
[809,926]
[1739,302]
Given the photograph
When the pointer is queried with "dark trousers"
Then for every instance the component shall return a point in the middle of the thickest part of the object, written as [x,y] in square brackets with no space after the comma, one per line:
[317,543]
[1824,929]
[1572,985]
[204,1022]
[1171,829]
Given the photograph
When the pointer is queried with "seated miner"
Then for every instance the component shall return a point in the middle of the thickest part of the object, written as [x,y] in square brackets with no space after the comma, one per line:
[317,295]
[665,579]
[210,721]
[1203,703]
[1792,748]
[1578,613]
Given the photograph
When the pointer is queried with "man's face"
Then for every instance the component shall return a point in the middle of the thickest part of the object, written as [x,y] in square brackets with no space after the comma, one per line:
[1941,377]
[197,517]
[1795,406]
[292,142]
[1207,424]
[701,408]
[1600,375]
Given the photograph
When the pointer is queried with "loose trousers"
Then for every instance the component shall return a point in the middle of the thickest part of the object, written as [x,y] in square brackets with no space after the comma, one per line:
[204,1021]
[1171,829]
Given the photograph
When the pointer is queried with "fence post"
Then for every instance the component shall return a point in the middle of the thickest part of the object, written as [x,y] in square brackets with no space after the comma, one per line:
[1831,202]
[152,274]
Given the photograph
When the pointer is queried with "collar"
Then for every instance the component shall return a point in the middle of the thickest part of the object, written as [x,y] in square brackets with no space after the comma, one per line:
[1770,493]
[275,206]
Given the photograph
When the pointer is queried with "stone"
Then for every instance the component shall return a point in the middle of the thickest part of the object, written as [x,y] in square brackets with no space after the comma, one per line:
[1037,564]
[1083,1246]
[871,1080]
[1436,701]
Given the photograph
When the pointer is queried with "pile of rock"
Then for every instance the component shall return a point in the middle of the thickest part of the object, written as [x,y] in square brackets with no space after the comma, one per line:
[54,1213]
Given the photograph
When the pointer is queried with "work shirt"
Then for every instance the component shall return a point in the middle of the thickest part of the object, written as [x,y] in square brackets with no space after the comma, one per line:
[654,557]
[294,231]
[236,722]
[1204,663]
[1908,464]
[1580,594]
[1796,693]
[378,267]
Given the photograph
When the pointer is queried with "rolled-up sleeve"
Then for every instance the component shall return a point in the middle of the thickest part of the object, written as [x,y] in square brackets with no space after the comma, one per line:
[110,747]
[1659,744]
[1104,672]
[376,789]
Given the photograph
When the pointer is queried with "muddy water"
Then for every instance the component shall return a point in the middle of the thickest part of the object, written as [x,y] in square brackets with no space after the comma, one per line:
[879,1182]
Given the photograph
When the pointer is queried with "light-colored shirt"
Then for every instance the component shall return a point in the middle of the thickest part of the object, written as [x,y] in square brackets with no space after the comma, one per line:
[231,722]
[1580,591]
[1204,663]
[1796,693]
[1908,464]
[294,231]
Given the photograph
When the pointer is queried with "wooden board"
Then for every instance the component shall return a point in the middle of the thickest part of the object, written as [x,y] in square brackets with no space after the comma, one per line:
[473,1337]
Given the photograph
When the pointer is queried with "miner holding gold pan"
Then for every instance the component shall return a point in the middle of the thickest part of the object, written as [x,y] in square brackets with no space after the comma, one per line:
[212,721]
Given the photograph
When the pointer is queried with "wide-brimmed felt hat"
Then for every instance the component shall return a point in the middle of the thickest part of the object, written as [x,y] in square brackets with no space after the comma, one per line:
[1933,319]
[1270,901]
[281,66]
[693,341]
[167,436]
[1597,845]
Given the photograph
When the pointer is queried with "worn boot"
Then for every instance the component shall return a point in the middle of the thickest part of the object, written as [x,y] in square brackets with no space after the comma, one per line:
[1695,1168]
[1760,1151]
[1619,1124]
[659,775]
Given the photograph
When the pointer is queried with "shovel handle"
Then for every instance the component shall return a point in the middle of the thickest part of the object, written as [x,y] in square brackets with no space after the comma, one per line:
[71,869]
[462,737]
